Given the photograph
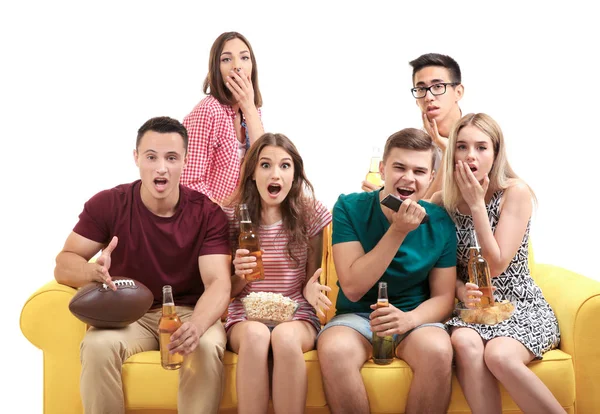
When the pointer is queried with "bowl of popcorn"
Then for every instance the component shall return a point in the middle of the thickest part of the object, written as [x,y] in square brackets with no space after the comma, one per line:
[269,308]
[490,315]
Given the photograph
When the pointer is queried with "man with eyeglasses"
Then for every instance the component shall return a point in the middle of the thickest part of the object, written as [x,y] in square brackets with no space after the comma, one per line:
[437,90]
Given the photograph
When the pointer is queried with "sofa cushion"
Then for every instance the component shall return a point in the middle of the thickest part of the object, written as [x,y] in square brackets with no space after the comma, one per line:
[149,386]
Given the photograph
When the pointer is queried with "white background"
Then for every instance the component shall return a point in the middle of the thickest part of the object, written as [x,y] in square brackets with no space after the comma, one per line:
[77,79]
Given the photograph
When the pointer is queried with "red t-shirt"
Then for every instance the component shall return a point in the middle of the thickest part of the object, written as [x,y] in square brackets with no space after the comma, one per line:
[155,250]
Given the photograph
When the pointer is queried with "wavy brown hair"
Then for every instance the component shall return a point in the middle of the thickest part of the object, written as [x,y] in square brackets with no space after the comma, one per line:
[299,205]
[214,84]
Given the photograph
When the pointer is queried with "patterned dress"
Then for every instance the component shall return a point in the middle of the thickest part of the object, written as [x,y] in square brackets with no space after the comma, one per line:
[533,323]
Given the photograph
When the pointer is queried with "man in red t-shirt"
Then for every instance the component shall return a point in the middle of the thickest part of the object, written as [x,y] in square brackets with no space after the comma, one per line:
[160,233]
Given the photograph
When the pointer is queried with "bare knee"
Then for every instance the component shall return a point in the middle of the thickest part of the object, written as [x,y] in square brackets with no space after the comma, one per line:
[256,336]
[329,348]
[433,357]
[286,341]
[467,344]
[341,350]
[499,361]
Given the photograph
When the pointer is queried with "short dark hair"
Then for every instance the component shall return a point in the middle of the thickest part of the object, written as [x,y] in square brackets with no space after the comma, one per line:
[410,139]
[214,84]
[163,125]
[436,59]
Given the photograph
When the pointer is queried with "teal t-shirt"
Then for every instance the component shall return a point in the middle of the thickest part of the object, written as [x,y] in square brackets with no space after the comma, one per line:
[358,217]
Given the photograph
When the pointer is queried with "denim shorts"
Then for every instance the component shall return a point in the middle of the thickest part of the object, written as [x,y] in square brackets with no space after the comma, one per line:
[361,323]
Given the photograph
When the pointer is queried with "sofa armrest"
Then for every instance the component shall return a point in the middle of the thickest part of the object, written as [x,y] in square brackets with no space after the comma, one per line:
[49,325]
[575,300]
[47,322]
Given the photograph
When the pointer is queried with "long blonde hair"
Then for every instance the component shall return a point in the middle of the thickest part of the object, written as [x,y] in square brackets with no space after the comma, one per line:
[501,175]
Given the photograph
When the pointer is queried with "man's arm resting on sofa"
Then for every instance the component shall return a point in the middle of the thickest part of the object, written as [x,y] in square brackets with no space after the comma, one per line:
[72,263]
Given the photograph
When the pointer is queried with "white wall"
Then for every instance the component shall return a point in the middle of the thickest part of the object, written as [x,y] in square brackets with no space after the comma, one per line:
[77,80]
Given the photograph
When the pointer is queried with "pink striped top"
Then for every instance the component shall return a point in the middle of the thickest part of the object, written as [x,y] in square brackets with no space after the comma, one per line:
[281,274]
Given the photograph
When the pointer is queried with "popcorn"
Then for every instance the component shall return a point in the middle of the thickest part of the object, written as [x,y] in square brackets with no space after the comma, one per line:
[269,306]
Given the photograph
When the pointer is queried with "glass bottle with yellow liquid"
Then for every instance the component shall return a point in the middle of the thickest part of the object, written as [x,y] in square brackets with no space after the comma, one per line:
[169,323]
[479,274]
[383,347]
[373,176]
[249,240]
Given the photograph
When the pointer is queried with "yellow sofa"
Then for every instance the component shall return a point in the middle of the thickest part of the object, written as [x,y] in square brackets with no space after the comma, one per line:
[572,372]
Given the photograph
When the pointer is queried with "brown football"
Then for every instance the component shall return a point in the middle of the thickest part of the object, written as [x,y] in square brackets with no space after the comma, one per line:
[98,305]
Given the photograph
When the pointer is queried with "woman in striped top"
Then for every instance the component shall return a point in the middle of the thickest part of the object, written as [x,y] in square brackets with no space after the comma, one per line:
[281,201]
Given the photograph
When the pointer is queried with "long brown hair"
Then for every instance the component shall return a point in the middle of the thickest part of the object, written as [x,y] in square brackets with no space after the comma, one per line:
[214,83]
[501,175]
[299,205]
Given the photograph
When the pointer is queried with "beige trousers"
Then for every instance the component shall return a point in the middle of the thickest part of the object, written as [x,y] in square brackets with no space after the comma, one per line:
[103,352]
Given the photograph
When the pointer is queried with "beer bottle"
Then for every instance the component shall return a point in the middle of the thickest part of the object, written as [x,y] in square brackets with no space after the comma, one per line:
[249,240]
[383,347]
[479,273]
[373,176]
[169,323]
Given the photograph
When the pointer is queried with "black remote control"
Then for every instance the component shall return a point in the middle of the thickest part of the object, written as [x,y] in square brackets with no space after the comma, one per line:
[393,202]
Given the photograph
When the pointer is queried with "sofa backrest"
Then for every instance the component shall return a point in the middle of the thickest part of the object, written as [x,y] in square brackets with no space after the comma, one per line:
[329,275]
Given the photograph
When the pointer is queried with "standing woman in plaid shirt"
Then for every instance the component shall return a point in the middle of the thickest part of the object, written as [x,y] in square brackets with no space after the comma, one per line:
[225,123]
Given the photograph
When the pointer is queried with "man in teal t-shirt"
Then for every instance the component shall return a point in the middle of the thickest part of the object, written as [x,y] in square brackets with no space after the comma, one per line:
[371,244]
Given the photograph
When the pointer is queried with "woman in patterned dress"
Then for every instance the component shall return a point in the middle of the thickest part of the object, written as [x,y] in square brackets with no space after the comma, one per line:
[290,222]
[224,124]
[483,194]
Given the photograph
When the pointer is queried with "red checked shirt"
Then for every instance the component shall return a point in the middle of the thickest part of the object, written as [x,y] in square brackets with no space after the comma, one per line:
[213,166]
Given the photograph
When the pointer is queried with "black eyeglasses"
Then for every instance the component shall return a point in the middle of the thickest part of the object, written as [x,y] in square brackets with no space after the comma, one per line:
[436,89]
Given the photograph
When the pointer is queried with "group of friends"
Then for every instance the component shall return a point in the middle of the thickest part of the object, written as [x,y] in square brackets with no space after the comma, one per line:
[178,225]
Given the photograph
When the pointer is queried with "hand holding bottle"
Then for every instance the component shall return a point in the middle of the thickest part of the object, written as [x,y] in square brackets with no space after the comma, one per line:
[381,339]
[368,186]
[389,320]
[185,339]
[249,241]
[243,263]
[168,325]
[469,295]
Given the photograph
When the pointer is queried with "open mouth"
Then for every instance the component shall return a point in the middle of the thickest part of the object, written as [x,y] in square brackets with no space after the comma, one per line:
[472,168]
[160,183]
[405,192]
[274,189]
